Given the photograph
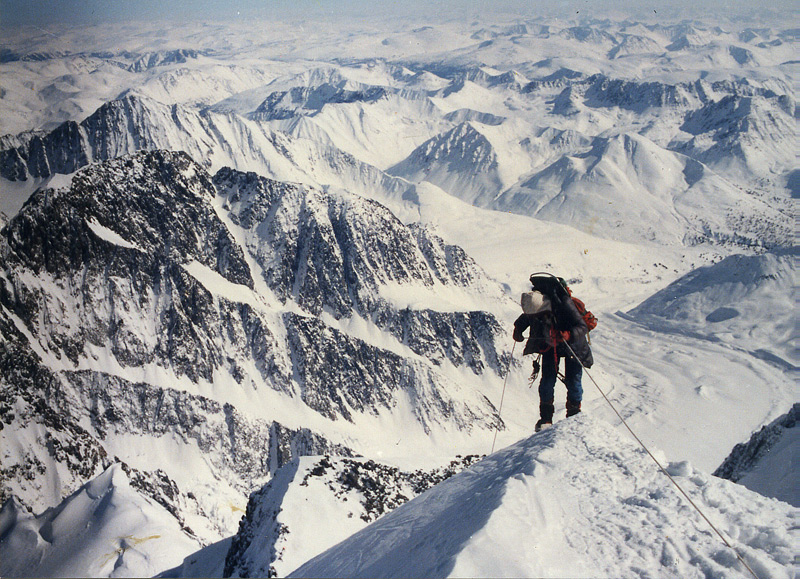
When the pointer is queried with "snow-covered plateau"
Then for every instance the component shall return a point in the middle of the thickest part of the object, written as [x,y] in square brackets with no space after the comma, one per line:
[258,281]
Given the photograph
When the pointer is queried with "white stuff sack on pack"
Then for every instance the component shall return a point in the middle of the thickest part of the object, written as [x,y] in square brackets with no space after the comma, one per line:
[535,303]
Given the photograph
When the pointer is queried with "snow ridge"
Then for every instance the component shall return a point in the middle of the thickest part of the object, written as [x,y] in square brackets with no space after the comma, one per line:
[461,159]
[275,535]
[105,528]
[556,493]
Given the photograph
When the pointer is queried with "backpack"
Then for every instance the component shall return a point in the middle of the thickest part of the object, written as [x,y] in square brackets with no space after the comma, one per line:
[538,316]
[557,291]
[588,317]
[566,317]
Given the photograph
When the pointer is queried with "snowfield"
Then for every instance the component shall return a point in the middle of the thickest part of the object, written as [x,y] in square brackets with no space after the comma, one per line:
[258,279]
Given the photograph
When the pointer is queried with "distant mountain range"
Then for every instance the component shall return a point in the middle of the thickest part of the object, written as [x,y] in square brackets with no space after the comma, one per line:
[699,144]
[225,256]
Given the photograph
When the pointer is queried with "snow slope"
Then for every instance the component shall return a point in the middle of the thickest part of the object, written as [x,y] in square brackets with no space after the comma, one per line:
[626,187]
[664,374]
[276,534]
[743,300]
[104,529]
[577,500]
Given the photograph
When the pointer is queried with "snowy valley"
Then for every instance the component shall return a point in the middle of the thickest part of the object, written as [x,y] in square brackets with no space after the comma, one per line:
[257,290]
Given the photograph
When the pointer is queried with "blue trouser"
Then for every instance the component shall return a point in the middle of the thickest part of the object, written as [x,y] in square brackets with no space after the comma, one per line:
[572,376]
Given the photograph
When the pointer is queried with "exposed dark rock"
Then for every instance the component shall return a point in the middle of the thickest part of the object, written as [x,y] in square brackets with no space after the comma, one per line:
[378,488]
[746,455]
[135,270]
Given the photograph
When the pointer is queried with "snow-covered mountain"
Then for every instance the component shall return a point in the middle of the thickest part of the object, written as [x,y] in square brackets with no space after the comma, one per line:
[226,325]
[461,160]
[302,101]
[135,123]
[471,133]
[748,132]
[276,534]
[227,251]
[105,528]
[626,187]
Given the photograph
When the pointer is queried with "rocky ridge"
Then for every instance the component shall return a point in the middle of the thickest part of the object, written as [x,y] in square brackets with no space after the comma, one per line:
[363,489]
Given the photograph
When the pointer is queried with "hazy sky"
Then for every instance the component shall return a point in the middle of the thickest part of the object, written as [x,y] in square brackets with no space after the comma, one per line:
[43,12]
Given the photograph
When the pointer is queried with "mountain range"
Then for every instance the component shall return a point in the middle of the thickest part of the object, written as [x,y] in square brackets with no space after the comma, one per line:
[257,293]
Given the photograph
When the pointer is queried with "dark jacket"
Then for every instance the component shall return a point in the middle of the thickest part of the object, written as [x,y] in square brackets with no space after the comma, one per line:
[566,318]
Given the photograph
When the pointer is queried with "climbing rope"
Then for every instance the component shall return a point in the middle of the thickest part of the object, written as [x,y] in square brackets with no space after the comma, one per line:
[642,444]
[663,470]
[503,395]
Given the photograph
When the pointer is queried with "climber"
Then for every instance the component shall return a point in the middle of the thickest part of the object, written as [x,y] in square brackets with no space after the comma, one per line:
[556,320]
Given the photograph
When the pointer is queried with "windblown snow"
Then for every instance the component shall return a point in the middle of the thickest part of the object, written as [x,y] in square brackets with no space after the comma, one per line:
[104,529]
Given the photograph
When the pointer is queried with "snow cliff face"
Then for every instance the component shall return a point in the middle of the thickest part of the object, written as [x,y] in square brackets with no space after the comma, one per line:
[75,241]
[151,307]
[347,256]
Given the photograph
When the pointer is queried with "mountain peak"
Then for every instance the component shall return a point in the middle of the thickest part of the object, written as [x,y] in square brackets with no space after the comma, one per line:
[144,184]
[105,527]
[461,158]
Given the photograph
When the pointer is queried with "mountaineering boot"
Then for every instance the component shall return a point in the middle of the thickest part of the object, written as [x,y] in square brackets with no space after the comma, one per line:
[573,408]
[546,410]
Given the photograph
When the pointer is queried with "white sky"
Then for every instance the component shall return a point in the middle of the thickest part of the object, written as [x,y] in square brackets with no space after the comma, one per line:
[44,12]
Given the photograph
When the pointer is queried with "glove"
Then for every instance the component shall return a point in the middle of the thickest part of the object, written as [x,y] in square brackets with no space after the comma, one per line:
[565,336]
[518,337]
